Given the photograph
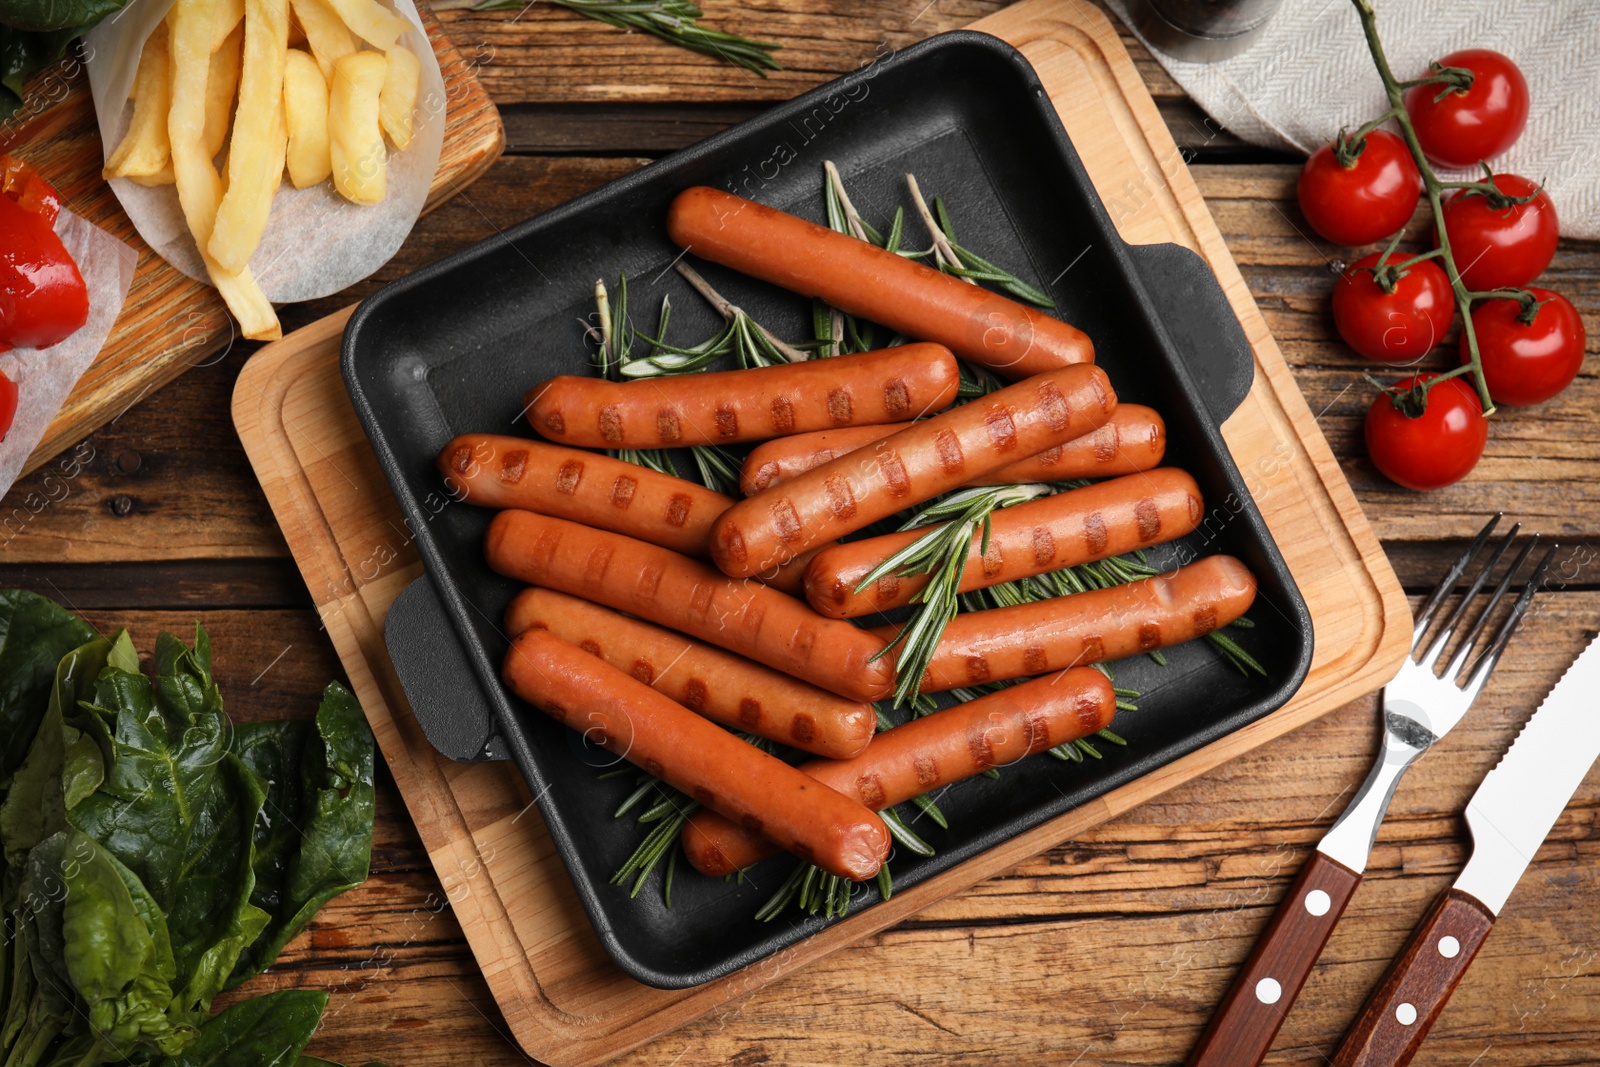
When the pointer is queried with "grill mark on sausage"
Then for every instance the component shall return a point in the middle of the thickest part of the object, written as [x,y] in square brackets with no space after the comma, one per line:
[749,712]
[727,420]
[767,473]
[751,615]
[1094,650]
[733,544]
[611,424]
[1148,518]
[700,600]
[653,767]
[1100,394]
[1149,635]
[1036,731]
[678,505]
[893,470]
[568,475]
[926,769]
[513,465]
[869,787]
[1002,429]
[885,589]
[667,427]
[1105,443]
[591,646]
[992,560]
[546,547]
[594,568]
[841,501]
[461,459]
[1044,545]
[556,712]
[1205,619]
[1195,508]
[1034,660]
[977,669]
[896,398]
[839,406]
[1087,710]
[644,671]
[786,520]
[649,582]
[1053,407]
[1049,457]
[694,694]
[949,449]
[1095,535]
[554,422]
[803,728]
[622,491]
[782,415]
[980,748]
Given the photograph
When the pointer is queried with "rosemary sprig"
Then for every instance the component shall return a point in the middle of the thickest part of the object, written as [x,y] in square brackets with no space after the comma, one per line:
[675,21]
[942,554]
[953,259]
[669,811]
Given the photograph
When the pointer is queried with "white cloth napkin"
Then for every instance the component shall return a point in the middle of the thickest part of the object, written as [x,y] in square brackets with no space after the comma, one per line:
[1310,73]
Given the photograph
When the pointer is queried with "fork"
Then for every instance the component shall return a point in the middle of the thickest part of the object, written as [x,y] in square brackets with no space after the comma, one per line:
[1418,707]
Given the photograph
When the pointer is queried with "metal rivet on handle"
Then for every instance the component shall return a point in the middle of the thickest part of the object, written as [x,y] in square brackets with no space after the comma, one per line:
[1268,991]
[1318,902]
[1406,1014]
[1449,947]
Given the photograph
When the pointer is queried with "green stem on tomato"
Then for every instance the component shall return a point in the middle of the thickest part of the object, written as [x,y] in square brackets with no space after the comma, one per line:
[1391,85]
[1418,258]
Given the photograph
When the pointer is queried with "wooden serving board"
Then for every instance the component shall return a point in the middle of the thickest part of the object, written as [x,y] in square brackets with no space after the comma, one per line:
[564,1001]
[170,322]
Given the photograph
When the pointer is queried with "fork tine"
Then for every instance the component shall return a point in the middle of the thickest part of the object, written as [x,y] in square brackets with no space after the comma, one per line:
[1432,655]
[1464,649]
[1425,613]
[1480,672]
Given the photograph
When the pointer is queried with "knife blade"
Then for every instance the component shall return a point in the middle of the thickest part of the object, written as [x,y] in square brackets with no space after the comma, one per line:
[1510,815]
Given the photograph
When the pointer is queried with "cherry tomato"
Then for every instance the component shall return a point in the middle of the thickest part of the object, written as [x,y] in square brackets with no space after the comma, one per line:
[1393,327]
[1366,201]
[1506,246]
[1527,363]
[1435,448]
[1474,124]
[8,404]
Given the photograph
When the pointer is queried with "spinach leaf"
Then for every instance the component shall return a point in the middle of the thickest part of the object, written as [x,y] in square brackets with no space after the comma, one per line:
[35,632]
[314,840]
[267,1031]
[43,15]
[178,809]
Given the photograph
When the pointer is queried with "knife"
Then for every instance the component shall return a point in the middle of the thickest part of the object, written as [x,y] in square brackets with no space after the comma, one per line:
[1510,815]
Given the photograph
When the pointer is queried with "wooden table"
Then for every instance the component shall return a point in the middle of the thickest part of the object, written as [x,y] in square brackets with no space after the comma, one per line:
[1110,949]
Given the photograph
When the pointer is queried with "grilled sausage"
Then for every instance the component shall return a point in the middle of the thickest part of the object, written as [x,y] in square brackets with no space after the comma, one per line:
[727,407]
[928,753]
[923,460]
[862,279]
[725,688]
[1102,624]
[1098,521]
[1135,439]
[722,772]
[683,594]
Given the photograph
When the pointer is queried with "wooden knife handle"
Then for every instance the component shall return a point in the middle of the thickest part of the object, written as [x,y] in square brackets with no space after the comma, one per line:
[1241,1032]
[1402,1008]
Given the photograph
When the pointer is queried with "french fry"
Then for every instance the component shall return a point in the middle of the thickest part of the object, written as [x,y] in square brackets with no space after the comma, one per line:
[327,36]
[354,134]
[256,149]
[371,21]
[161,177]
[305,108]
[398,100]
[222,85]
[225,18]
[145,150]
[191,25]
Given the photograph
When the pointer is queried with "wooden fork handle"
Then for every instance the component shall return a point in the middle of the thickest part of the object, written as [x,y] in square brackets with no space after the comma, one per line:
[1241,1032]
[1401,1010]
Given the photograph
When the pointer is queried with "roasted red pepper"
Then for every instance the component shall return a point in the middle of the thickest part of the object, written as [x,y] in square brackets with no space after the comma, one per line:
[42,296]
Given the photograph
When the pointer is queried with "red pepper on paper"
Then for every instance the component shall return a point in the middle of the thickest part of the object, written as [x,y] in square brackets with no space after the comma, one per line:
[43,299]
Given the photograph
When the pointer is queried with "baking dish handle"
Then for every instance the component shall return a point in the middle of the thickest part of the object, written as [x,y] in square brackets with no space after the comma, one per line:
[430,663]
[1200,321]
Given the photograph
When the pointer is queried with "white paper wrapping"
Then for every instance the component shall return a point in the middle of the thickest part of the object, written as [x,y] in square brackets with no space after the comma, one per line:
[45,376]
[316,243]
[1310,73]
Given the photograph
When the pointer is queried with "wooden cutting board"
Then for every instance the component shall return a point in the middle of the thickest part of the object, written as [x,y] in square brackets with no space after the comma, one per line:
[170,322]
[564,1001]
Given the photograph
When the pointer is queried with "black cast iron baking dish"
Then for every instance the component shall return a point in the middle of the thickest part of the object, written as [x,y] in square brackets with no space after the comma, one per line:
[452,348]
